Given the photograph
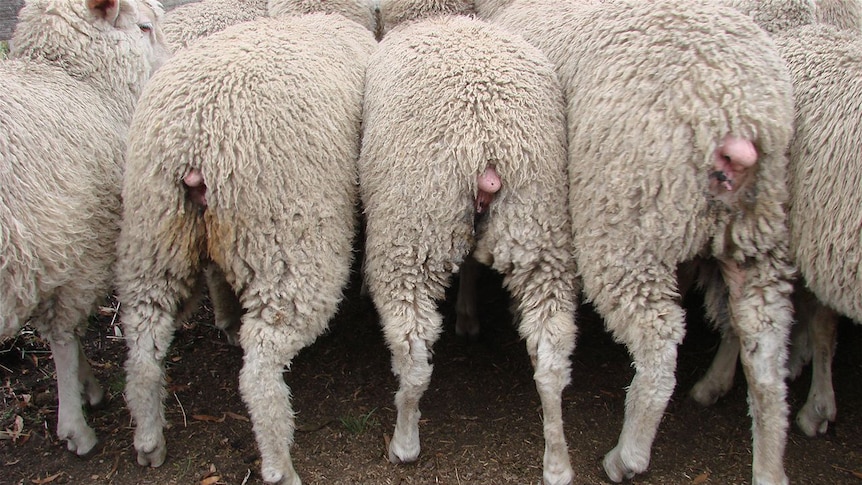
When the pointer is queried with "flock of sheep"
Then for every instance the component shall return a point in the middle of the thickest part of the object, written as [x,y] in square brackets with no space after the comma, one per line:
[619,151]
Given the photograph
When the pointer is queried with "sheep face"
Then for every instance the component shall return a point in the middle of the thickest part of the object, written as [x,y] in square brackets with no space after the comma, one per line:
[83,36]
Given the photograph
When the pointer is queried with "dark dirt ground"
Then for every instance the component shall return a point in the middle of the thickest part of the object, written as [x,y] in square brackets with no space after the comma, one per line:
[481,419]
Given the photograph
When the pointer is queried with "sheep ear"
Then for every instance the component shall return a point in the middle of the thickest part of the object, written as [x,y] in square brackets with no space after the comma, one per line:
[107,10]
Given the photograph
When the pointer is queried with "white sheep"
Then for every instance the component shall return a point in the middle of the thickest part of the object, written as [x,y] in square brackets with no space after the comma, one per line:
[462,117]
[679,116]
[242,153]
[826,65]
[67,94]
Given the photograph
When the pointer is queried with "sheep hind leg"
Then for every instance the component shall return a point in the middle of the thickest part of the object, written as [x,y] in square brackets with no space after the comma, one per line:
[820,409]
[226,305]
[719,377]
[550,337]
[92,390]
[149,330]
[652,326]
[761,313]
[268,348]
[646,400]
[411,330]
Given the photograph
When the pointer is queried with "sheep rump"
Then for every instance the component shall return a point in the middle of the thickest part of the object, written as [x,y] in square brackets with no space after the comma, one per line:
[268,111]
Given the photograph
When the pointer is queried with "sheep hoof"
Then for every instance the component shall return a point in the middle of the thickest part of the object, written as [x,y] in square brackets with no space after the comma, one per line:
[811,422]
[565,477]
[232,336]
[281,477]
[399,455]
[82,444]
[766,481]
[616,468]
[97,400]
[93,451]
[705,394]
[155,457]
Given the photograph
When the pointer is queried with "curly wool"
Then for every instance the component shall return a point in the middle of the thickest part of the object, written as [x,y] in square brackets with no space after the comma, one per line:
[362,12]
[453,147]
[776,15]
[653,94]
[395,12]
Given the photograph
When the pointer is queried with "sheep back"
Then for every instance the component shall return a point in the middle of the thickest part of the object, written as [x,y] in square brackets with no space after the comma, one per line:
[825,174]
[776,15]
[187,23]
[394,12]
[362,12]
[844,14]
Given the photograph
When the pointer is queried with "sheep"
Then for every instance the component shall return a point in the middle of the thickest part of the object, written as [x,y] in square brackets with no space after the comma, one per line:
[67,92]
[825,64]
[472,119]
[679,117]
[242,154]
[776,16]
[187,23]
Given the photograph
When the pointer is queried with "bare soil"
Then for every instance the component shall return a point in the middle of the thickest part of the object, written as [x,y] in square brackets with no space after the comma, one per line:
[481,419]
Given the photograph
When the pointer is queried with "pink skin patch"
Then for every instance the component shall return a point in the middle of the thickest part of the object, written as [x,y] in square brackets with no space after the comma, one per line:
[488,183]
[195,187]
[731,160]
